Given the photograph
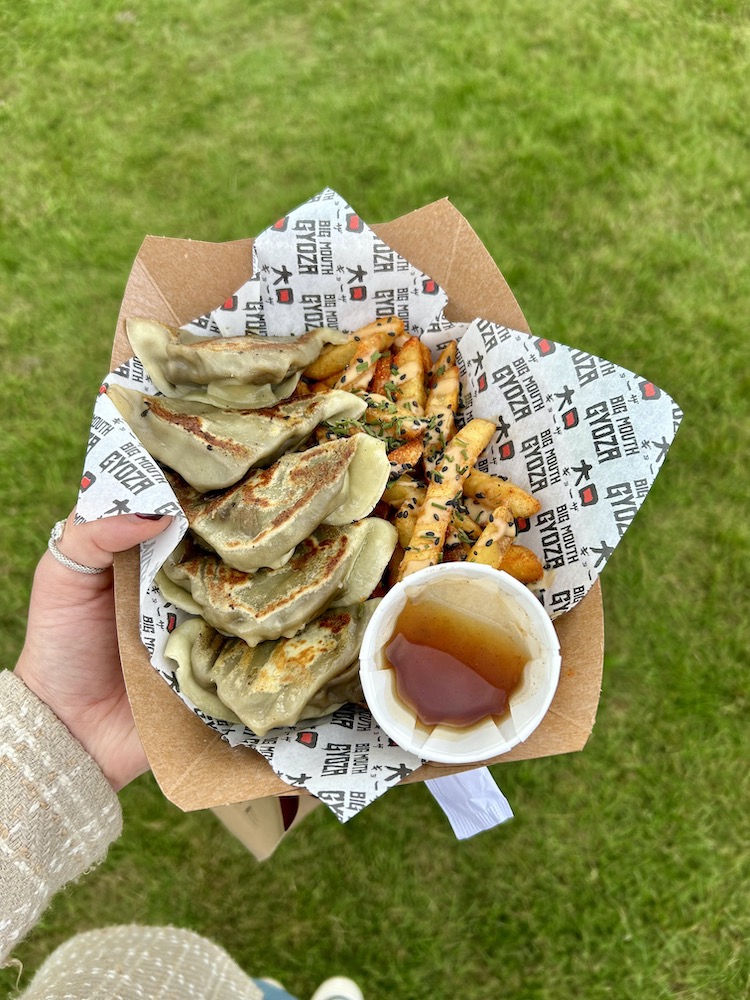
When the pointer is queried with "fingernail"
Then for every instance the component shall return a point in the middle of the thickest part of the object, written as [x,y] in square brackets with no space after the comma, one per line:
[150,517]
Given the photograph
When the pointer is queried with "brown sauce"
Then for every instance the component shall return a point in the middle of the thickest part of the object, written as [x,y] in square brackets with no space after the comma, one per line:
[452,669]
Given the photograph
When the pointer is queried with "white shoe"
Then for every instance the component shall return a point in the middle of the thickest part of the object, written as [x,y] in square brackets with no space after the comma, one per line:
[338,988]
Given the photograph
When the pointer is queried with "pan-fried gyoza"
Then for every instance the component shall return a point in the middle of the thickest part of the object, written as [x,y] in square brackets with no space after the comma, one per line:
[258,522]
[243,372]
[212,448]
[275,683]
[334,567]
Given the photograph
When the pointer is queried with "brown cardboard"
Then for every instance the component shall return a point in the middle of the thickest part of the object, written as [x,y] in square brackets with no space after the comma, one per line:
[176,280]
[260,825]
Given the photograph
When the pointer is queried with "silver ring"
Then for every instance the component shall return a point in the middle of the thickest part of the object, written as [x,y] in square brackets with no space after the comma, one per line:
[55,536]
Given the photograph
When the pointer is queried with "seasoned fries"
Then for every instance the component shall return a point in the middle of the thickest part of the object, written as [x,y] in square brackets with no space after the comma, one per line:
[401,489]
[335,357]
[360,368]
[381,375]
[444,488]
[408,377]
[523,564]
[492,545]
[441,406]
[395,421]
[331,361]
[491,491]
[405,458]
[443,507]
[406,518]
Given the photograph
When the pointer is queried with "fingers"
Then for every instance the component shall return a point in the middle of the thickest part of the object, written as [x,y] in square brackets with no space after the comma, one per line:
[93,543]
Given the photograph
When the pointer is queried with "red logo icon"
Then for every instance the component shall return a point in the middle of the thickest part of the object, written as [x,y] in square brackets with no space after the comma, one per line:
[102,389]
[87,479]
[358,293]
[544,346]
[588,495]
[430,286]
[231,304]
[171,621]
[522,524]
[280,226]
[650,391]
[308,739]
[507,450]
[285,296]
[353,223]
[570,418]
[482,382]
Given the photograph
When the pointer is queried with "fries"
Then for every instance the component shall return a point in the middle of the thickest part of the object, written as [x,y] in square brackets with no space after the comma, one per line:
[406,518]
[381,375]
[408,377]
[335,357]
[441,406]
[495,540]
[395,421]
[425,548]
[491,491]
[523,564]
[401,489]
[360,368]
[405,458]
[443,507]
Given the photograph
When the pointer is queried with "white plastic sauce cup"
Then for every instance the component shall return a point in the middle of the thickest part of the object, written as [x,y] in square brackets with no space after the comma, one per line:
[472,590]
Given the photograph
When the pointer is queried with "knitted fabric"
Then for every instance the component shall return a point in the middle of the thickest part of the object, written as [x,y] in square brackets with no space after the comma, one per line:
[58,816]
[141,963]
[58,813]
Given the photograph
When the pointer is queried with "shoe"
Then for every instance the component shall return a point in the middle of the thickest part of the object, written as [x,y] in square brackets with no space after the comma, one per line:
[338,988]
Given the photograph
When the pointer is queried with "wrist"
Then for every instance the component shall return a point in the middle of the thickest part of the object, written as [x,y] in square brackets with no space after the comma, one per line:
[38,683]
[88,725]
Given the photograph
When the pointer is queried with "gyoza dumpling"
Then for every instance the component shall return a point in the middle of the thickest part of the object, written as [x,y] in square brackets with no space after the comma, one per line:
[196,639]
[334,567]
[259,521]
[246,372]
[275,683]
[213,449]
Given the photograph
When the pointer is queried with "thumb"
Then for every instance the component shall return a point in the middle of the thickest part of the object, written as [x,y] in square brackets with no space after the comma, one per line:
[93,543]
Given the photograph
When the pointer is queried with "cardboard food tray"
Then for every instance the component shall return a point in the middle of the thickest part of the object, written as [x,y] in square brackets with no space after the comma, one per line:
[174,280]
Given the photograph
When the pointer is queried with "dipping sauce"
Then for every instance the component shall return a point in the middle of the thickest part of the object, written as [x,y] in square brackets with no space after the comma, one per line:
[453,668]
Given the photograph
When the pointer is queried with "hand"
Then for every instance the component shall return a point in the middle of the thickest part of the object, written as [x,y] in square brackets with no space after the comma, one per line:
[70,658]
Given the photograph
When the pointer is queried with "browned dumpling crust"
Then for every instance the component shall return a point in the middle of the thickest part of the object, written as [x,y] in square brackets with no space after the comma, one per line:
[276,683]
[258,522]
[334,567]
[212,448]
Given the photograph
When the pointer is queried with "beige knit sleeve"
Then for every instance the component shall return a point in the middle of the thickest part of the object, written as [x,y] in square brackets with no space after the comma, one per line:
[58,813]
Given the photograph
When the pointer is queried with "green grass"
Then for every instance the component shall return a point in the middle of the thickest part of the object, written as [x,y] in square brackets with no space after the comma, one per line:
[600,150]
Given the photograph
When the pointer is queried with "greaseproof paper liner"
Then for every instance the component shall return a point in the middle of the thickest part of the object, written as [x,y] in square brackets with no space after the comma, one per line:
[321,265]
[584,436]
[581,434]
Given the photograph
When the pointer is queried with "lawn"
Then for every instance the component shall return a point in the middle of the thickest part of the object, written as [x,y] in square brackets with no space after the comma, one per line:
[600,150]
